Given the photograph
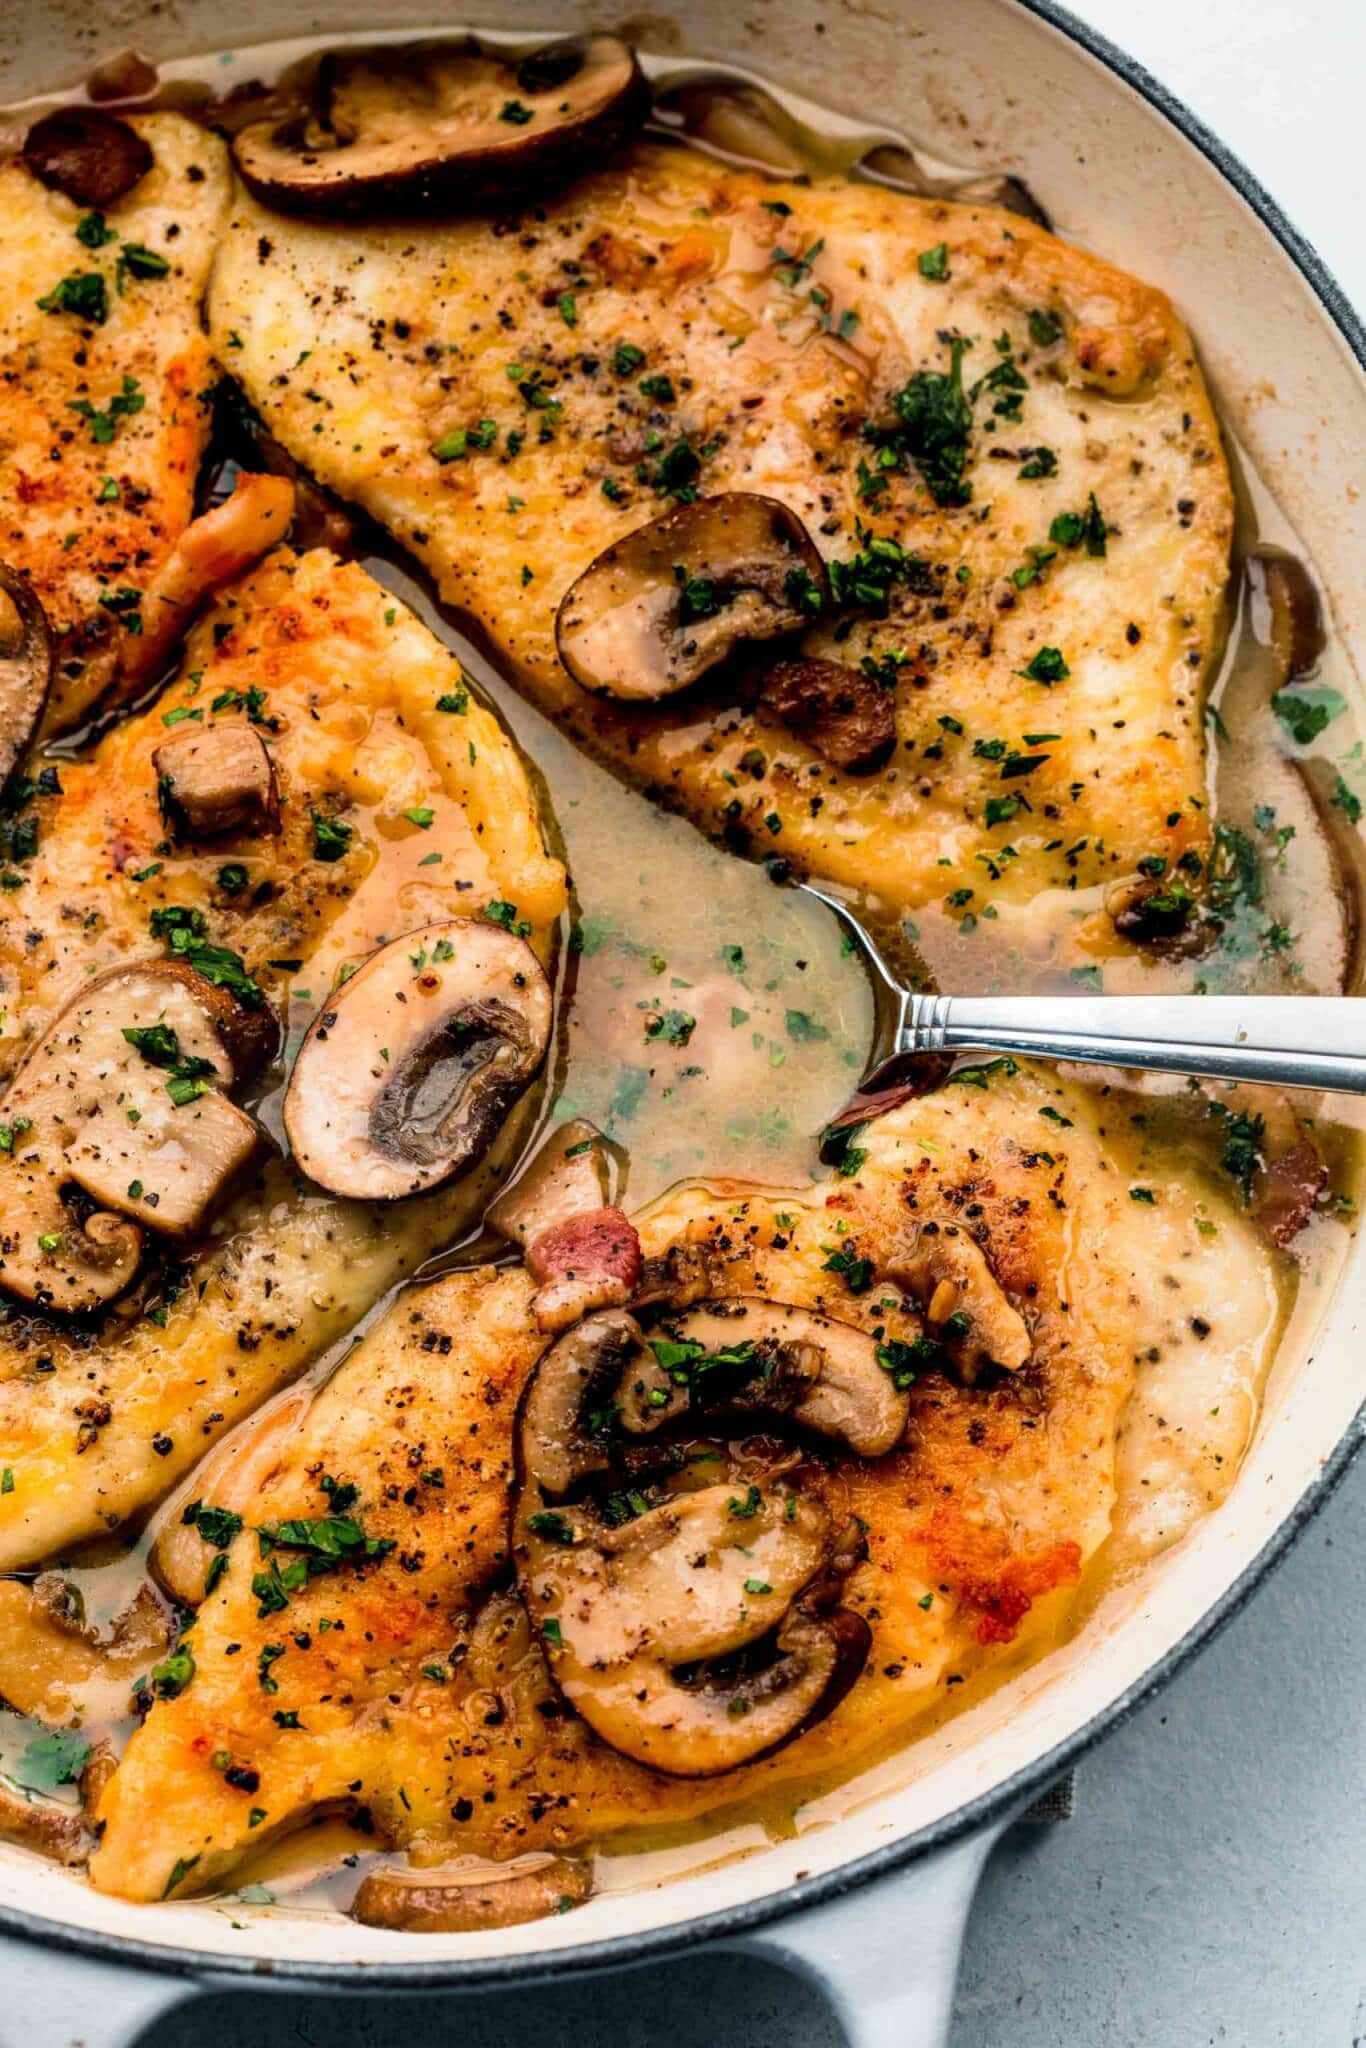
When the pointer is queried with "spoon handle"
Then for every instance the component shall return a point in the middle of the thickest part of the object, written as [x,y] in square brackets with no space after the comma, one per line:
[1291,1041]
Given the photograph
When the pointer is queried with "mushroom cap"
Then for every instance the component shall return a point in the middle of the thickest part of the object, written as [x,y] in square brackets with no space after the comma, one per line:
[668,601]
[753,1355]
[91,156]
[839,711]
[447,123]
[26,665]
[473,1896]
[123,1098]
[410,1069]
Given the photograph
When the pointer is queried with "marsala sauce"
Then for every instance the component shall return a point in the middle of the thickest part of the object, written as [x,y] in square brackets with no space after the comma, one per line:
[781,1013]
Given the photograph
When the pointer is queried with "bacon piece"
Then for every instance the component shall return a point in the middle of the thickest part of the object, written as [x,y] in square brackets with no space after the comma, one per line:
[588,1262]
[1287,1189]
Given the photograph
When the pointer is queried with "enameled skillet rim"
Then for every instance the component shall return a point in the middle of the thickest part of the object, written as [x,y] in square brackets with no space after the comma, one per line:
[1015,1791]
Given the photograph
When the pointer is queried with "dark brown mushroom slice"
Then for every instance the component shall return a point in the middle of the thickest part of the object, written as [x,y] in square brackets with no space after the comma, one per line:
[667,602]
[217,780]
[91,156]
[410,1070]
[445,124]
[1157,911]
[753,1356]
[585,1368]
[27,658]
[843,714]
[468,1899]
[1286,614]
[1287,1189]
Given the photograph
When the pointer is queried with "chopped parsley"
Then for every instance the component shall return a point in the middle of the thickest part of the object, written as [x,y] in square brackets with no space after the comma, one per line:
[83,293]
[1307,710]
[935,426]
[505,914]
[856,1273]
[331,837]
[1047,666]
[103,422]
[674,1027]
[136,260]
[187,1076]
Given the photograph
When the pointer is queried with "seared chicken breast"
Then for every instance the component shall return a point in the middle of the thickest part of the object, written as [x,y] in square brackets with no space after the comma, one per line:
[358,1652]
[316,782]
[1001,446]
[108,392]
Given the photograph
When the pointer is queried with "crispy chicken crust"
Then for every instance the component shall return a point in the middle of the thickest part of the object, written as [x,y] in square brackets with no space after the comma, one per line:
[769,327]
[408,1688]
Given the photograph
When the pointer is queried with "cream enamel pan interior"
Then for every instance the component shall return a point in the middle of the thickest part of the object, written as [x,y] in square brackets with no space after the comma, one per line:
[988,81]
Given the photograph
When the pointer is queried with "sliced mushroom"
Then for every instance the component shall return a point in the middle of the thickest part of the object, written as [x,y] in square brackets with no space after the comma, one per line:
[98,1769]
[696,1634]
[214,548]
[1287,616]
[55,1830]
[408,1073]
[217,780]
[91,156]
[56,1668]
[737,120]
[892,165]
[749,1354]
[559,1438]
[675,1278]
[26,665]
[660,607]
[963,1301]
[467,1899]
[1287,1189]
[1306,872]
[842,713]
[445,124]
[122,1099]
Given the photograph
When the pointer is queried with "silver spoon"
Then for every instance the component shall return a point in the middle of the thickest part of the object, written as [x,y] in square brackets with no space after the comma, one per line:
[1290,1041]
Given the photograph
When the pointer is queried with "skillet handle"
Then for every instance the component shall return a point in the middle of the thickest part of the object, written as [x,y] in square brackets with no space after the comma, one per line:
[886,1955]
[51,1998]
